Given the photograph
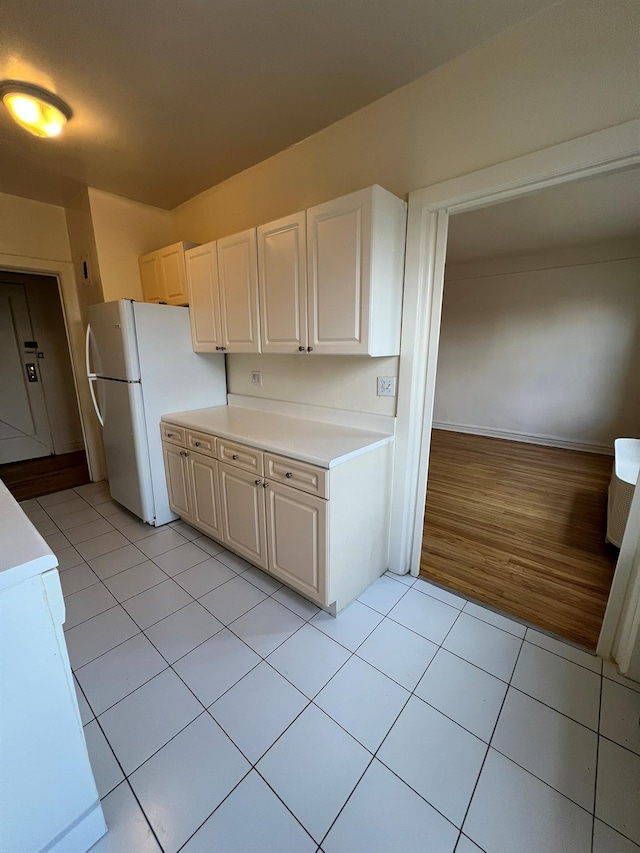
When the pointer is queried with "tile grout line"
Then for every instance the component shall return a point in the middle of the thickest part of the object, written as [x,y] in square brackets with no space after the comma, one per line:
[595,785]
[486,755]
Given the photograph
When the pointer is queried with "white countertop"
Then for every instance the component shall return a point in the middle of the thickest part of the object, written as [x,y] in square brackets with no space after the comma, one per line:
[23,552]
[317,442]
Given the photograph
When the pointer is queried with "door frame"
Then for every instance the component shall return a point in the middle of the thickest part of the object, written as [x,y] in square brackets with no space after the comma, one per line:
[64,274]
[428,218]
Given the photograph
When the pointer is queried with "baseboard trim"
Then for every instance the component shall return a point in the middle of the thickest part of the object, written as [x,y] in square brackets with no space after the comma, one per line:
[527,438]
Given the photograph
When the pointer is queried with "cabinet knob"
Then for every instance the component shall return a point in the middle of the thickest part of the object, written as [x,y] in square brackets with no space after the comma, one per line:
[288,475]
[300,349]
[171,435]
[265,485]
[258,482]
[223,348]
[235,456]
[309,349]
[197,443]
[183,453]
[218,348]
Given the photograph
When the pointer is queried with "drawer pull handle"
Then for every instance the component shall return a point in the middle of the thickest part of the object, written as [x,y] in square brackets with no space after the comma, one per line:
[235,456]
[258,482]
[288,475]
[171,435]
[197,443]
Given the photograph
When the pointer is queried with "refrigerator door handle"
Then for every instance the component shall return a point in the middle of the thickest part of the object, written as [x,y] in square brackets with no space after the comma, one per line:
[86,351]
[93,379]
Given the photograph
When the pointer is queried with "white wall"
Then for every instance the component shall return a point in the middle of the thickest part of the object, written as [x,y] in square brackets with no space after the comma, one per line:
[548,352]
[566,72]
[124,230]
[337,382]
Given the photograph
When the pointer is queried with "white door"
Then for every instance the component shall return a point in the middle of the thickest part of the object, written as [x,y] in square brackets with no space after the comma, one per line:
[339,254]
[204,298]
[238,277]
[203,475]
[243,519]
[24,425]
[282,283]
[297,539]
[176,469]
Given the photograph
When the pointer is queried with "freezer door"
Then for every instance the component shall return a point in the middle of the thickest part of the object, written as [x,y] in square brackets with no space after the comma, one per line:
[125,445]
[112,350]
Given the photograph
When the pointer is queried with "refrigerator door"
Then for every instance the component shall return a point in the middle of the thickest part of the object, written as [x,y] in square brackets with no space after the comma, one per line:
[112,350]
[125,444]
[174,379]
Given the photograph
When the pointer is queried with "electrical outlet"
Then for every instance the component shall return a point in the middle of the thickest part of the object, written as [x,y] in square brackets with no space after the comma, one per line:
[256,377]
[386,386]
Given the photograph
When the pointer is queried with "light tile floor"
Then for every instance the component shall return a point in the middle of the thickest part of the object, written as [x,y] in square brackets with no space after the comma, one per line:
[223,712]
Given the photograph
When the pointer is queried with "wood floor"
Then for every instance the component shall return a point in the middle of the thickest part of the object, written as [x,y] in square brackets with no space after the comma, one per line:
[33,478]
[521,527]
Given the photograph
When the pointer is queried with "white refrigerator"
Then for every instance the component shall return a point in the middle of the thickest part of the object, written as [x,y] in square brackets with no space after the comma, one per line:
[140,366]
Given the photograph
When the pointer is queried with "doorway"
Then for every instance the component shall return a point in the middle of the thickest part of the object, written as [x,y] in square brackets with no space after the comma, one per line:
[430,208]
[41,440]
[536,378]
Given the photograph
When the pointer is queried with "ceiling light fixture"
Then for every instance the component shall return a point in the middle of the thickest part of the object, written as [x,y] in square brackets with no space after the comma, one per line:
[35,109]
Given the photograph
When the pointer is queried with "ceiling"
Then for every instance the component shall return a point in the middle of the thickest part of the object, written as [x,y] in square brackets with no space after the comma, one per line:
[171,98]
[597,209]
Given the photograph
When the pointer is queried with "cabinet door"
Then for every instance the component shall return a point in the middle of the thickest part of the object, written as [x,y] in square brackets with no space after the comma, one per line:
[203,474]
[282,282]
[173,273]
[297,539]
[151,277]
[339,254]
[176,469]
[204,297]
[243,516]
[238,277]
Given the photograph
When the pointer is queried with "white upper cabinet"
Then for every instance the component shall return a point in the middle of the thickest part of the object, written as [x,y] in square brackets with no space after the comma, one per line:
[163,275]
[355,262]
[328,280]
[202,277]
[238,281]
[282,280]
[151,277]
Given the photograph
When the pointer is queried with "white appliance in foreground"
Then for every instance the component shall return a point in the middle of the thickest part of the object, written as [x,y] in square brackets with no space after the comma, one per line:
[140,365]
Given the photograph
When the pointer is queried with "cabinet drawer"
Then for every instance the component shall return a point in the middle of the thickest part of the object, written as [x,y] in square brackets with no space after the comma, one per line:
[300,475]
[173,434]
[201,442]
[240,455]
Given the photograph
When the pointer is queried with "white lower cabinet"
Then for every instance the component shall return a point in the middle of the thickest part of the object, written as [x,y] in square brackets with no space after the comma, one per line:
[243,515]
[297,539]
[176,469]
[206,512]
[322,532]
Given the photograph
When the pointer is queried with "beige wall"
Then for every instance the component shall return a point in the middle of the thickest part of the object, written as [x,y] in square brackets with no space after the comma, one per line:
[544,347]
[33,229]
[124,230]
[83,245]
[566,72]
